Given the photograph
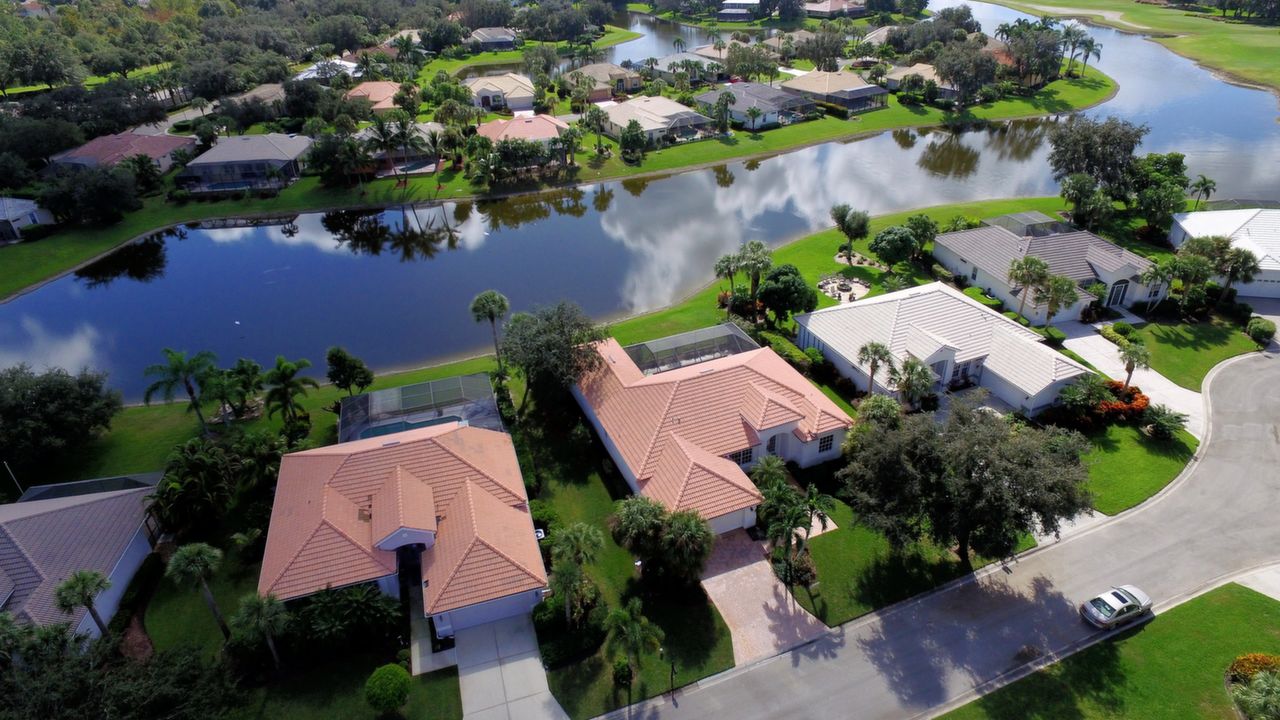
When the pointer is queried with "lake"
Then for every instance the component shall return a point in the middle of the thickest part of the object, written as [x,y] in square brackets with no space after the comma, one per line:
[394,287]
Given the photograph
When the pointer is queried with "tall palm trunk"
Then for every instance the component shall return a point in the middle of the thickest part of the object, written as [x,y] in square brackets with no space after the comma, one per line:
[97,619]
[871,379]
[275,654]
[497,352]
[1022,301]
[213,608]
[195,404]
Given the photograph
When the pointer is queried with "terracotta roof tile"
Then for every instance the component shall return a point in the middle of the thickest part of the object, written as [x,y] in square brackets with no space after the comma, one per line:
[333,503]
[486,550]
[715,407]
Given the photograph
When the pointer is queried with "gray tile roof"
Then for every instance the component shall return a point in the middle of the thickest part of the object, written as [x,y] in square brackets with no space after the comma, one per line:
[751,94]
[254,148]
[44,541]
[665,62]
[1074,254]
[920,321]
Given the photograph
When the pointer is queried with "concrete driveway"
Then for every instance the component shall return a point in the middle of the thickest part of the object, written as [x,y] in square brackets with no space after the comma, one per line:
[501,675]
[920,657]
[760,612]
[1104,355]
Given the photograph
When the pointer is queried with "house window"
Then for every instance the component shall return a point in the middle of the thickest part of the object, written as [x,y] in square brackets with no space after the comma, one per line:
[1153,291]
[974,274]
[773,445]
[826,442]
[742,457]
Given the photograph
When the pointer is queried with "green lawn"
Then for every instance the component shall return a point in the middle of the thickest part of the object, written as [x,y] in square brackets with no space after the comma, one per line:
[179,616]
[1172,668]
[335,689]
[581,485]
[91,81]
[1126,467]
[1245,50]
[1186,352]
[38,261]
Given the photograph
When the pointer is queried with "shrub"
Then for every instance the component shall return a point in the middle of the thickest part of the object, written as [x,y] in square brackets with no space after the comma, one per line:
[562,645]
[788,350]
[814,355]
[1163,422]
[544,516]
[722,298]
[622,673]
[1261,330]
[180,196]
[1122,328]
[929,402]
[1240,312]
[942,274]
[1014,316]
[977,294]
[1213,291]
[580,435]
[1196,302]
[404,658]
[387,689]
[1109,332]
[1243,668]
[833,110]
[1053,336]
[794,571]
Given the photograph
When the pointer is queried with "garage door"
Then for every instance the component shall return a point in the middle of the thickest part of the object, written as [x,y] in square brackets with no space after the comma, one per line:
[1267,285]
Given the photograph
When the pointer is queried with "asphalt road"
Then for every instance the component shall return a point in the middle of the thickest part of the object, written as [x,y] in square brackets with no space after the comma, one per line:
[917,657]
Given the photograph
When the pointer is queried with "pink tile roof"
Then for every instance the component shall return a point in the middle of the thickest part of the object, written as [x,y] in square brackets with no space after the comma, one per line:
[534,127]
[111,149]
[381,93]
[334,503]
[669,427]
[487,552]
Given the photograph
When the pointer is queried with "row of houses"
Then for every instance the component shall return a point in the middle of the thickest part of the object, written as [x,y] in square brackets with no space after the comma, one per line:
[748,10]
[423,496]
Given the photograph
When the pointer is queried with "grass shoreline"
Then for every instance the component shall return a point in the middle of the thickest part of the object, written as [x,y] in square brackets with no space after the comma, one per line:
[1212,47]
[38,265]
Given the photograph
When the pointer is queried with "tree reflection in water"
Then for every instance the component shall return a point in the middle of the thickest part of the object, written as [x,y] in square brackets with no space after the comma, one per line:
[142,261]
[947,156]
[366,232]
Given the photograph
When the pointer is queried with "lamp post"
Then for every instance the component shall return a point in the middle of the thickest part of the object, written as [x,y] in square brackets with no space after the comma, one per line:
[662,653]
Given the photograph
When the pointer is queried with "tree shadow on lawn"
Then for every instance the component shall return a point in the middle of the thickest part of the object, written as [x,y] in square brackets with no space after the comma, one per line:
[982,630]
[1199,336]
[570,684]
[684,613]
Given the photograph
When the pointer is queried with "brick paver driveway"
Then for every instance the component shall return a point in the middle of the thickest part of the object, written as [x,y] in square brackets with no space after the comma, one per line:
[760,613]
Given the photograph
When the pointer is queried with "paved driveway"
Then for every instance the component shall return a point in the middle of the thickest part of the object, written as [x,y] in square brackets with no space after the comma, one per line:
[761,614]
[1104,355]
[501,675]
[919,657]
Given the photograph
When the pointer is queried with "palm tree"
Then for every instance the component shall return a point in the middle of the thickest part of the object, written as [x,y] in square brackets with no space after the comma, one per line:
[768,470]
[571,140]
[411,139]
[679,44]
[819,506]
[755,259]
[1260,697]
[12,635]
[565,582]
[632,633]
[914,380]
[686,544]
[596,120]
[79,591]
[1072,36]
[1027,272]
[873,355]
[191,566]
[1134,355]
[579,544]
[853,224]
[199,103]
[1204,187]
[1089,48]
[491,306]
[727,268]
[754,113]
[786,519]
[383,138]
[178,369]
[1239,264]
[263,617]
[285,386]
[1055,293]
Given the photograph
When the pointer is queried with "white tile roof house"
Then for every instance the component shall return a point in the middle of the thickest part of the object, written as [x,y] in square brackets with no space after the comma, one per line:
[958,338]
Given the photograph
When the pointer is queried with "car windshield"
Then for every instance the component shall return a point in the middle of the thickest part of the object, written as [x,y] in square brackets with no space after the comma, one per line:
[1102,607]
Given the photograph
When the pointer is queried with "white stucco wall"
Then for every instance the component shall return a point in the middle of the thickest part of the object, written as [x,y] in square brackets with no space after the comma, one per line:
[407,536]
[448,623]
[108,601]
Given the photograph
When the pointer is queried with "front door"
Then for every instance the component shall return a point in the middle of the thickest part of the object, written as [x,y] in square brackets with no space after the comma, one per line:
[1118,291]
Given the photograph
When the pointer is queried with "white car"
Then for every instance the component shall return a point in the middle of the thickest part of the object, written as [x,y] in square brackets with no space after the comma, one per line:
[1115,607]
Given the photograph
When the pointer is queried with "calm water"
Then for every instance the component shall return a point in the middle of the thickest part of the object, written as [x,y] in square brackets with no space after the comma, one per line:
[616,248]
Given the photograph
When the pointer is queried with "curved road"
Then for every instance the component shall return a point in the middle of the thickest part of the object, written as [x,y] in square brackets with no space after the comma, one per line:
[924,655]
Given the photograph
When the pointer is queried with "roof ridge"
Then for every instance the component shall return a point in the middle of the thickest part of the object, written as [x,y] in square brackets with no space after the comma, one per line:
[666,409]
[469,501]
[26,555]
[108,495]
[467,462]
